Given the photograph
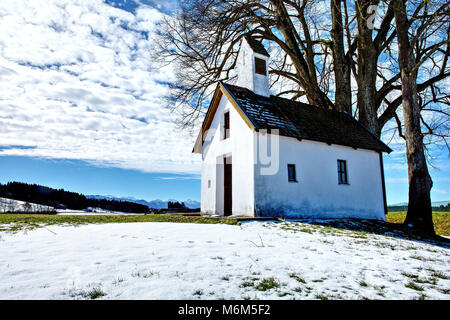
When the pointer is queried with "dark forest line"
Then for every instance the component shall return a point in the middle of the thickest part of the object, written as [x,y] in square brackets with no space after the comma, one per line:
[62,199]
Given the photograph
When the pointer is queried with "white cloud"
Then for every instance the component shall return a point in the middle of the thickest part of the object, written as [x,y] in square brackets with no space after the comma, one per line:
[76,82]
[440,191]
[397,180]
[179,178]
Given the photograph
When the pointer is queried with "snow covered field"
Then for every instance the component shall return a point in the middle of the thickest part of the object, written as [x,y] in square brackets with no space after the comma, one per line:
[99,211]
[11,205]
[257,260]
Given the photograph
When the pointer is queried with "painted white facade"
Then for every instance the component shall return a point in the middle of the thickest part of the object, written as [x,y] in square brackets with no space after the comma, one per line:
[257,191]
[317,192]
[240,146]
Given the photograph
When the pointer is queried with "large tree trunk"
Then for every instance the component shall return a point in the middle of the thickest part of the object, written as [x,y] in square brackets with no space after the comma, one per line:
[419,214]
[342,93]
[367,68]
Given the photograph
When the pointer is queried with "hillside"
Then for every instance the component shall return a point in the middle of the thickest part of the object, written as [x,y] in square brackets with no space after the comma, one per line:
[11,205]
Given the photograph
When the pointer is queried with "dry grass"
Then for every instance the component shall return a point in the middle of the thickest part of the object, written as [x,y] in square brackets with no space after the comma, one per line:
[14,222]
[441,221]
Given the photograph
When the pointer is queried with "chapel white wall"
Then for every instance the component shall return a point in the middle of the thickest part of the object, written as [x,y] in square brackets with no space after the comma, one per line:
[240,146]
[317,193]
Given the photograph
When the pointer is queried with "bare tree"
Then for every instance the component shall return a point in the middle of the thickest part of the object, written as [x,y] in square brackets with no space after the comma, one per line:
[316,46]
[11,205]
[27,207]
[3,206]
[412,51]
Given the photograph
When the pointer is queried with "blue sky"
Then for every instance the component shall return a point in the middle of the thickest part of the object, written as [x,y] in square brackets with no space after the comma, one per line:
[81,106]
[79,176]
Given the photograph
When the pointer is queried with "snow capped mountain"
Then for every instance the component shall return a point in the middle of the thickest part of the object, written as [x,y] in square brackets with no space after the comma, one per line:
[155,204]
[192,204]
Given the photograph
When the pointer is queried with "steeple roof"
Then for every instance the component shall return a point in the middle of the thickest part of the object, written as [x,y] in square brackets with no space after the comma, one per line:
[256,45]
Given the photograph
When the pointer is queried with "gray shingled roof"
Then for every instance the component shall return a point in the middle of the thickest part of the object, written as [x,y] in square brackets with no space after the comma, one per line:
[256,46]
[304,121]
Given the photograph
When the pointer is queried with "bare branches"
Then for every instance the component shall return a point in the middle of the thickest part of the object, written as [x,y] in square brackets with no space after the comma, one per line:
[318,50]
[203,42]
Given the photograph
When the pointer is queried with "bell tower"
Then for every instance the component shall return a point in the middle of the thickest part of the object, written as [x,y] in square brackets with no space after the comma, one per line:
[252,66]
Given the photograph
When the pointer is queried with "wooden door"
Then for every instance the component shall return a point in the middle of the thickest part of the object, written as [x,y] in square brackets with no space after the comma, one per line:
[228,169]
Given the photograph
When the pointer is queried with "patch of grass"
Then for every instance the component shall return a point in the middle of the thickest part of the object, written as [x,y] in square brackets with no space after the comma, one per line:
[94,293]
[441,221]
[247,284]
[118,280]
[267,284]
[417,257]
[438,274]
[321,297]
[297,277]
[283,294]
[432,281]
[414,286]
[198,292]
[188,214]
[416,278]
[358,234]
[298,290]
[15,222]
[445,291]
[363,284]
[143,274]
[410,275]
[383,244]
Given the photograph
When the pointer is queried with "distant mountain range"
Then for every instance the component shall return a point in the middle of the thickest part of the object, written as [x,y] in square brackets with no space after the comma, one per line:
[154,204]
[433,204]
[194,204]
